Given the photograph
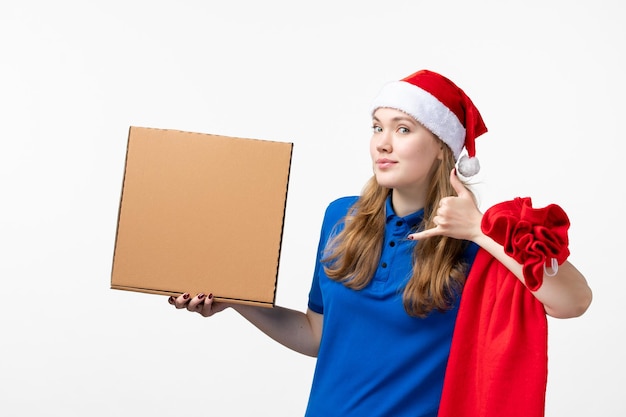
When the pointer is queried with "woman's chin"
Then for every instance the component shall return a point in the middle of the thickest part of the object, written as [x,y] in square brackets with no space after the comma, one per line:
[385,181]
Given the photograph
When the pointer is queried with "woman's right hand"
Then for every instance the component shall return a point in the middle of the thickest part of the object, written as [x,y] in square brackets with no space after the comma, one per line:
[296,330]
[201,304]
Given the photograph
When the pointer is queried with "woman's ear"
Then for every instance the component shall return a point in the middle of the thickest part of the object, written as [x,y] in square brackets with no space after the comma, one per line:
[441,152]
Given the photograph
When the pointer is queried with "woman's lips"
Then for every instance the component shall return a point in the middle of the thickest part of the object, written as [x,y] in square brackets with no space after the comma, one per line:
[384,163]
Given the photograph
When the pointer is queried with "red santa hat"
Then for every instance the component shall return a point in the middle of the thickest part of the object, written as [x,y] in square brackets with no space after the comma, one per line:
[443,108]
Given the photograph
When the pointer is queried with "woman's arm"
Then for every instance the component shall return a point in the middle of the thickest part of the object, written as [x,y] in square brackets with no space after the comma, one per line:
[294,329]
[563,295]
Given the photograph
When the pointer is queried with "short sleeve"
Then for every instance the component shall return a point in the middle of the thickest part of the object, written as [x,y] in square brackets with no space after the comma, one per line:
[335,212]
[316,302]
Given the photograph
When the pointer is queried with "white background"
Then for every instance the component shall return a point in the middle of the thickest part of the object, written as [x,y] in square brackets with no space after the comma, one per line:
[548,77]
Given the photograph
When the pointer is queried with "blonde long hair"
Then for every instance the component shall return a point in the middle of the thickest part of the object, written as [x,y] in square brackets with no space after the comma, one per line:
[438,273]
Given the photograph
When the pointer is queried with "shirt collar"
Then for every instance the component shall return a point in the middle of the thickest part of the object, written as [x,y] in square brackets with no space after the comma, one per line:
[413,219]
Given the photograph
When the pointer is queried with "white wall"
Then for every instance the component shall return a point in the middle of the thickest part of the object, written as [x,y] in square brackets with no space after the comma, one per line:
[548,77]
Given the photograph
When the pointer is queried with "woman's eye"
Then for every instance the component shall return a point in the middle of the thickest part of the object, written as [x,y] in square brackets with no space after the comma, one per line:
[377,129]
[403,130]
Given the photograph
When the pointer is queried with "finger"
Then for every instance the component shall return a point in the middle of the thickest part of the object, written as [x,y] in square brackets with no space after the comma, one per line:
[456,183]
[196,303]
[182,300]
[424,234]
[207,306]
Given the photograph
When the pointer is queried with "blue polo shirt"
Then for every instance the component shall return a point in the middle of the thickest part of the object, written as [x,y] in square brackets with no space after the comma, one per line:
[374,359]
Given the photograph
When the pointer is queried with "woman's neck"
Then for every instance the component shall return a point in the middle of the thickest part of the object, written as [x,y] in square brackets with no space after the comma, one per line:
[406,203]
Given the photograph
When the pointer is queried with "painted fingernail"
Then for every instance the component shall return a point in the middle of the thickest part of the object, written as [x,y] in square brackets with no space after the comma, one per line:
[201,296]
[185,296]
[211,296]
[170,300]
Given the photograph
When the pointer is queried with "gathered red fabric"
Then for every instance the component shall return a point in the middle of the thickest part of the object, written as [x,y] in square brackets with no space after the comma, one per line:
[532,236]
[498,364]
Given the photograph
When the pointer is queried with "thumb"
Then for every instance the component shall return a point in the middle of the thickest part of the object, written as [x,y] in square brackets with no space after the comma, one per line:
[456,183]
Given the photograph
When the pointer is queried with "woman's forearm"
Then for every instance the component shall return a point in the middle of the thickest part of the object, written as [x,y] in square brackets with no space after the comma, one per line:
[564,295]
[294,329]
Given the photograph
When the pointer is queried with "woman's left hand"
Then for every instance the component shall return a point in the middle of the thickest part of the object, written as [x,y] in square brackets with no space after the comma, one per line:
[564,295]
[456,217]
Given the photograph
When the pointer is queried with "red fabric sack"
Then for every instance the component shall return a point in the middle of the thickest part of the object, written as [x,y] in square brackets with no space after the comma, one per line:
[498,364]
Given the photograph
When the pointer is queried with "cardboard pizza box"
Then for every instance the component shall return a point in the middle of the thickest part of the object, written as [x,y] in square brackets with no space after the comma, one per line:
[201,213]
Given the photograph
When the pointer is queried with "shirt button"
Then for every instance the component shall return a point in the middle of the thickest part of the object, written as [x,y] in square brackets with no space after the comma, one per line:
[392,244]
[399,223]
[384,264]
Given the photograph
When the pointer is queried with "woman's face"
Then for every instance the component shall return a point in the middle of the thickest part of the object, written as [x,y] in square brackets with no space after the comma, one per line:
[403,151]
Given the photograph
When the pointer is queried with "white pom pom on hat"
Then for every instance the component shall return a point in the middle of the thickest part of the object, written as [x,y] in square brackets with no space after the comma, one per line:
[443,108]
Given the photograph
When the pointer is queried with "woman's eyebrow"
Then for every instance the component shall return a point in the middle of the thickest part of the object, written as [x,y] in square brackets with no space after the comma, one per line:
[397,119]
[402,118]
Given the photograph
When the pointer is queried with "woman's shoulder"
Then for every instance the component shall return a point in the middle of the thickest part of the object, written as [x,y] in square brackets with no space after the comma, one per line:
[337,210]
[340,206]
[343,202]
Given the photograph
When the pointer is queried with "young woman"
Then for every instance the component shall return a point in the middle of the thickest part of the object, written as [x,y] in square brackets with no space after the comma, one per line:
[392,263]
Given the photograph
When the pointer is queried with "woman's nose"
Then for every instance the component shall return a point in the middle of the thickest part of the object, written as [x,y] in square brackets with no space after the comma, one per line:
[384,143]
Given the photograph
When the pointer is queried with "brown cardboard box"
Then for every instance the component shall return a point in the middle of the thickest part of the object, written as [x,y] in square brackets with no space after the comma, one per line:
[201,213]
